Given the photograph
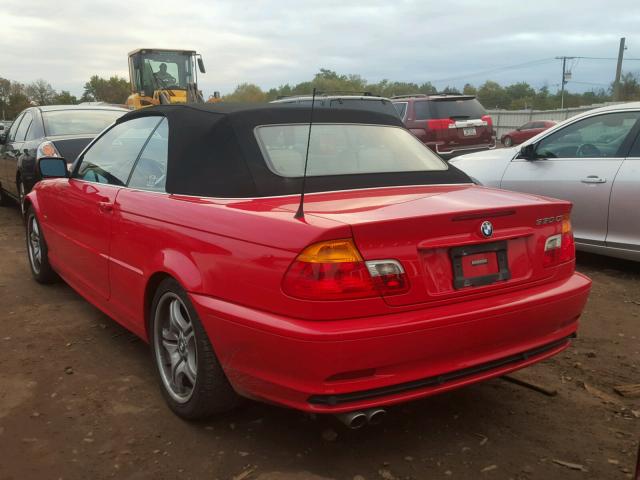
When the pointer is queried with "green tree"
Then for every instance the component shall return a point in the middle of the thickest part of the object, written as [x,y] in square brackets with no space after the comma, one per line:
[112,90]
[64,98]
[492,95]
[521,95]
[246,93]
[40,92]
[469,89]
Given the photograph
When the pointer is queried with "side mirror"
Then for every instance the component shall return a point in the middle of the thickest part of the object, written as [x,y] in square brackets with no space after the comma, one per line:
[52,167]
[3,138]
[201,65]
[1,127]
[528,152]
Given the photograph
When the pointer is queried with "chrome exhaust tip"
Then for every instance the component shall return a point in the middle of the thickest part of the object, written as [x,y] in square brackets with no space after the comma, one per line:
[353,420]
[375,416]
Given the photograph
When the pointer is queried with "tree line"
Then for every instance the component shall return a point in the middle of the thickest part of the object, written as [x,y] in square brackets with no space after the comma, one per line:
[16,96]
[491,94]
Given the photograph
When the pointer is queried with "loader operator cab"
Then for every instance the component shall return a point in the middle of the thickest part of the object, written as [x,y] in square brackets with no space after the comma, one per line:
[164,76]
[166,79]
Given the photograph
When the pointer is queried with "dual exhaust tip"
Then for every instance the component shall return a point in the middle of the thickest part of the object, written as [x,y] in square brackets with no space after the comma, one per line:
[359,419]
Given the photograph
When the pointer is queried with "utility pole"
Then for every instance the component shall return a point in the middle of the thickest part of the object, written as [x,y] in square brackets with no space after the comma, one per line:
[616,84]
[564,78]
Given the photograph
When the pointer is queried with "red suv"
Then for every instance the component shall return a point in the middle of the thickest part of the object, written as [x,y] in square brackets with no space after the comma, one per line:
[448,124]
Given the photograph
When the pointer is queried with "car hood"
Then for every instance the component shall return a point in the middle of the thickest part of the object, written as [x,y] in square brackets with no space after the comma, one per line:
[487,167]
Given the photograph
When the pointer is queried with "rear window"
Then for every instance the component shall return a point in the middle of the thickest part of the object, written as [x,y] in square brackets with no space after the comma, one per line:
[463,109]
[78,122]
[344,149]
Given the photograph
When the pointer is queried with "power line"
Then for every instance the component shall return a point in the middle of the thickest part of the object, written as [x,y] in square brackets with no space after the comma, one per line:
[496,69]
[590,83]
[608,58]
[531,63]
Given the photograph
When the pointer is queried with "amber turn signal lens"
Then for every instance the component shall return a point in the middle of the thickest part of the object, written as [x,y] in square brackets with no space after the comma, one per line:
[333,251]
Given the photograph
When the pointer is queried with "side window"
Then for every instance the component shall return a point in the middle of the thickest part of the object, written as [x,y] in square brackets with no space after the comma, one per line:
[527,126]
[150,172]
[600,136]
[14,126]
[401,107]
[21,133]
[34,131]
[111,158]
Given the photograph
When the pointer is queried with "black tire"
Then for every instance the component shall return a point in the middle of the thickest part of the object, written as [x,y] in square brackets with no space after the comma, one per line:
[210,393]
[37,251]
[507,141]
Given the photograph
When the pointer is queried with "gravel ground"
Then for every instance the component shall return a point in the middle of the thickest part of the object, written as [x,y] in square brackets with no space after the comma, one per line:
[78,400]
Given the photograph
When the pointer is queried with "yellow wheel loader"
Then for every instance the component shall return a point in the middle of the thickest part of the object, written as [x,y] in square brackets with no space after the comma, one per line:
[160,76]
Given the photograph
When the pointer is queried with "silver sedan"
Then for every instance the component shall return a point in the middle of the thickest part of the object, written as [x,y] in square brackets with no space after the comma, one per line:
[592,160]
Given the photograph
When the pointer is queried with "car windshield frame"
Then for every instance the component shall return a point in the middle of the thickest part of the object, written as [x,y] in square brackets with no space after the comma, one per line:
[414,143]
[52,132]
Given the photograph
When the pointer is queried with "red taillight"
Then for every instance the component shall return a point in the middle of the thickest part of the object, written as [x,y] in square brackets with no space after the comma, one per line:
[334,270]
[488,119]
[440,123]
[561,247]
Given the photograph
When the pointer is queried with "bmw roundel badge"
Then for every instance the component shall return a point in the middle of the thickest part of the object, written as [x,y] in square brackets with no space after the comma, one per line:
[486,229]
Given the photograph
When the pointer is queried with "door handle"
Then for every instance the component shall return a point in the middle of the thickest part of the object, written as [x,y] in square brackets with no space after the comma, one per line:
[593,179]
[105,207]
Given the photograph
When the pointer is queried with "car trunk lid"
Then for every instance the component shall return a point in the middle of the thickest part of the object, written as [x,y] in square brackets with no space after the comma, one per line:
[436,233]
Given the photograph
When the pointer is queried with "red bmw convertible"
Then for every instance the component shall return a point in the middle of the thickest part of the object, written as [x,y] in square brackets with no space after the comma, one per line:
[401,278]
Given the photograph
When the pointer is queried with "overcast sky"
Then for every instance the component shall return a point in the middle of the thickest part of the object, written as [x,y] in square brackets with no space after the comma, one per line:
[275,42]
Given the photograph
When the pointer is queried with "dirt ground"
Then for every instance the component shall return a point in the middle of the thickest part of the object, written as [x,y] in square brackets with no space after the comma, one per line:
[78,400]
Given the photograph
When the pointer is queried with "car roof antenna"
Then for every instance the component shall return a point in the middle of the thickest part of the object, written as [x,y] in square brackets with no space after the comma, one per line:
[300,212]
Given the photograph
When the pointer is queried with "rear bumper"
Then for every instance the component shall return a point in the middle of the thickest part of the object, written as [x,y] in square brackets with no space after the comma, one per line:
[446,151]
[338,366]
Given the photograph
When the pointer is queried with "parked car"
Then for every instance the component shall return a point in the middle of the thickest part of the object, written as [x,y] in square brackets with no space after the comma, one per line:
[56,130]
[359,102]
[592,160]
[448,124]
[400,279]
[525,132]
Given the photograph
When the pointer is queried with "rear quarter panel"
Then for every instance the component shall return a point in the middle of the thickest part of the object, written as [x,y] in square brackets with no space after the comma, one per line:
[234,250]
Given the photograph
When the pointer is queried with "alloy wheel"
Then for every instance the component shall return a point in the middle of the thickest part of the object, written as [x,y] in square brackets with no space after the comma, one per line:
[175,347]
[35,247]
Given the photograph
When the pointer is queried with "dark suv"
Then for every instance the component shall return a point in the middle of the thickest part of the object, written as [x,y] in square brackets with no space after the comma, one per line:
[448,124]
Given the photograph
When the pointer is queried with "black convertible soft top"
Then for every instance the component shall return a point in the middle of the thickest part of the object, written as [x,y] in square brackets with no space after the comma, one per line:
[213,151]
